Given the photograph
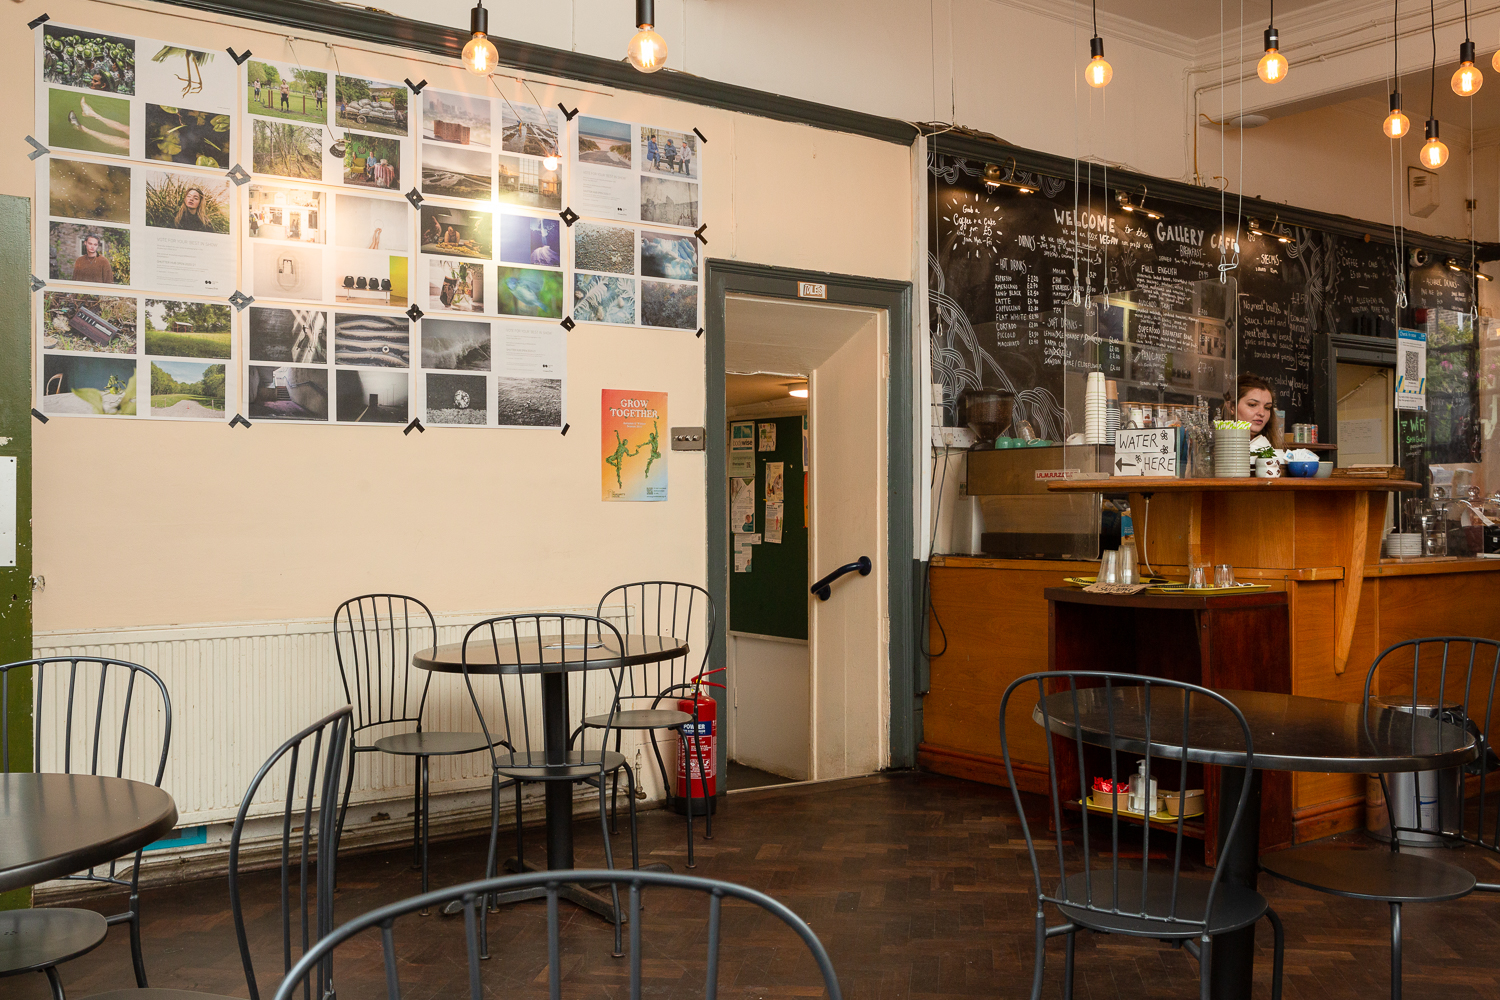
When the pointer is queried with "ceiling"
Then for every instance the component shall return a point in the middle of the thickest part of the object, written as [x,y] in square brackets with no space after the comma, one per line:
[786,335]
[742,390]
[1199,19]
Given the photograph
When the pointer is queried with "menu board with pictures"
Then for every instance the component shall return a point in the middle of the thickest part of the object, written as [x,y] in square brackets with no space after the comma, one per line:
[136,230]
[299,243]
[635,253]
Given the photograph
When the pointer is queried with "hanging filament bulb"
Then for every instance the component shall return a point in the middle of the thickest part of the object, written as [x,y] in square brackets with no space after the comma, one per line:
[550,161]
[1098,73]
[1396,123]
[1273,64]
[479,55]
[648,50]
[1434,151]
[1467,79]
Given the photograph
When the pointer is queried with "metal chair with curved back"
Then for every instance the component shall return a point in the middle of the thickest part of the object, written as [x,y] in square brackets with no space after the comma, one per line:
[472,895]
[662,607]
[1393,877]
[97,695]
[536,743]
[374,637]
[1107,898]
[314,763]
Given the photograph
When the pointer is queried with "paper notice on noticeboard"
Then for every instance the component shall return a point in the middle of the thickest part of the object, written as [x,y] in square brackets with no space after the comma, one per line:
[743,550]
[773,522]
[767,437]
[742,504]
[742,449]
[775,482]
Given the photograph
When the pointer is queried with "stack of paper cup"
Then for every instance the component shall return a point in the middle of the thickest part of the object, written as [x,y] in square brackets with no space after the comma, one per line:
[1232,449]
[1094,412]
[1111,410]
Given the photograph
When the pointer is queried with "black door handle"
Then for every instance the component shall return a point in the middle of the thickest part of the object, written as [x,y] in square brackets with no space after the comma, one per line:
[824,587]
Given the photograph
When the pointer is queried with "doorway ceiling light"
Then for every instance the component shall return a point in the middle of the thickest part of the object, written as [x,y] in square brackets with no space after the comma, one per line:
[798,389]
[648,50]
[1098,73]
[1396,123]
[996,178]
[1434,152]
[1273,64]
[1127,205]
[1467,79]
[479,56]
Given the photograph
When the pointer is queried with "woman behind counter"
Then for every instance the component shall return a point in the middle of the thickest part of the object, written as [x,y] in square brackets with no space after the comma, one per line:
[1255,401]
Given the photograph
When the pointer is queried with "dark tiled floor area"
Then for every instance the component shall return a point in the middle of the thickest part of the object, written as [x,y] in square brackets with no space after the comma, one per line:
[742,776]
[918,885]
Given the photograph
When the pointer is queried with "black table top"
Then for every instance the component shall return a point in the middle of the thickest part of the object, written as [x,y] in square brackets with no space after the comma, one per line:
[549,654]
[1287,732]
[57,824]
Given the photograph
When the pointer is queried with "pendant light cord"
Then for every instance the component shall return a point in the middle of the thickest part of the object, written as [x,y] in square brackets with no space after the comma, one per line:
[1432,87]
[1096,18]
[1398,211]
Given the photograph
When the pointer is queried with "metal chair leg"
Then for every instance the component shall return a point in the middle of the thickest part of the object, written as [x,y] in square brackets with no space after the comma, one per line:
[1205,965]
[416,815]
[609,862]
[348,787]
[426,802]
[137,958]
[635,847]
[489,865]
[1068,968]
[520,837]
[1395,951]
[55,983]
[1278,952]
[708,812]
[614,795]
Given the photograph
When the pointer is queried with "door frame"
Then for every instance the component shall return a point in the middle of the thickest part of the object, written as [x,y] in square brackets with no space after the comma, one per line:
[726,277]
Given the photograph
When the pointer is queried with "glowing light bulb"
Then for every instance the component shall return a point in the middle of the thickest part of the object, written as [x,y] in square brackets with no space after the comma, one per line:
[1273,65]
[550,162]
[648,50]
[1434,153]
[1097,73]
[799,393]
[1467,79]
[1495,61]
[1396,123]
[480,56]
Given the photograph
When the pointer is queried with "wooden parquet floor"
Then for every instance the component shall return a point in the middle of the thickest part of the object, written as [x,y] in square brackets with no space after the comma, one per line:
[918,886]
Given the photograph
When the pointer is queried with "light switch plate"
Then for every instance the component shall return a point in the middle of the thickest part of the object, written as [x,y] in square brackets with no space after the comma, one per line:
[687,438]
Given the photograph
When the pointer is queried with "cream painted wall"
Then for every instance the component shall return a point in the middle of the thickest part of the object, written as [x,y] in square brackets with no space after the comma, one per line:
[290,520]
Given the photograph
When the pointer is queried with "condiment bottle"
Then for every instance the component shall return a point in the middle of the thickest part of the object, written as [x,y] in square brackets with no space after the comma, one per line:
[1126,570]
[1142,795]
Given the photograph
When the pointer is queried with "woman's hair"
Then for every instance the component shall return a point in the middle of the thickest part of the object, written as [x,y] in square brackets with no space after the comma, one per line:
[1249,383]
[182,208]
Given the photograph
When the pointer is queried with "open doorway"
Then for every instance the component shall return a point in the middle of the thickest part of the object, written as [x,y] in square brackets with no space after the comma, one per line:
[817,689]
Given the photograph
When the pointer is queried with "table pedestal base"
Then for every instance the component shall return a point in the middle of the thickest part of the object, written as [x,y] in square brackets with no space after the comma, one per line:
[1233,957]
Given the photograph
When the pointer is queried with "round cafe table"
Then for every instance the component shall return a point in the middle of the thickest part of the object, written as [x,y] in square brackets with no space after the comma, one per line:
[558,657]
[57,824]
[1288,733]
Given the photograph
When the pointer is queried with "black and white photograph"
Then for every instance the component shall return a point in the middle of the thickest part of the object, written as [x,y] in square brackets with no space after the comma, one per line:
[665,303]
[288,336]
[457,399]
[456,344]
[373,223]
[458,119]
[454,172]
[598,247]
[669,203]
[664,152]
[372,341]
[528,402]
[287,213]
[287,392]
[287,272]
[669,255]
[373,397]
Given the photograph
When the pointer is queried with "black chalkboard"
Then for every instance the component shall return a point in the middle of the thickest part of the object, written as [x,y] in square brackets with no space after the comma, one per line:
[1004,265]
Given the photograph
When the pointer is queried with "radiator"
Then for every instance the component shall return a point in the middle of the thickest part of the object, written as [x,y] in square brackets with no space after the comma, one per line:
[239,690]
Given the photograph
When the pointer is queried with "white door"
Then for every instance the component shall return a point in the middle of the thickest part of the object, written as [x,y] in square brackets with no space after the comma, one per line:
[848,634]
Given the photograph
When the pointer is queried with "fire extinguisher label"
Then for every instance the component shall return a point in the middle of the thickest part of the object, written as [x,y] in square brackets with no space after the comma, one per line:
[704,729]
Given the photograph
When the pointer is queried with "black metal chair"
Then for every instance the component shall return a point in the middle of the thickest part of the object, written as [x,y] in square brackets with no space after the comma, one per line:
[97,698]
[520,728]
[472,895]
[661,607]
[374,637]
[1109,898]
[1448,687]
[313,763]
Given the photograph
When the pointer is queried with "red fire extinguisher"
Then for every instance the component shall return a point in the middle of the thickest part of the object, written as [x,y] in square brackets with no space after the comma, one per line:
[695,742]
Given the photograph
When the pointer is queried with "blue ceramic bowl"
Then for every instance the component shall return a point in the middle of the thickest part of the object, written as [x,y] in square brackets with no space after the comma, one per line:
[1302,470]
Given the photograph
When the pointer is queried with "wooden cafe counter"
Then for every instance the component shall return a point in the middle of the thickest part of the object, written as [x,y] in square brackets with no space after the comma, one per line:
[1332,607]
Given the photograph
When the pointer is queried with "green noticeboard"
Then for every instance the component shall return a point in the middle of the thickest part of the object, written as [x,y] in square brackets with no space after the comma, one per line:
[771,599]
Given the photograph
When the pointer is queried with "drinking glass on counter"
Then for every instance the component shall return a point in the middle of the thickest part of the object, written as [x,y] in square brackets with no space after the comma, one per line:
[1224,575]
[1198,576]
[1109,567]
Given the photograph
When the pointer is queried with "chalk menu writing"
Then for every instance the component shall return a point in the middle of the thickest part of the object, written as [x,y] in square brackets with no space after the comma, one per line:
[1004,270]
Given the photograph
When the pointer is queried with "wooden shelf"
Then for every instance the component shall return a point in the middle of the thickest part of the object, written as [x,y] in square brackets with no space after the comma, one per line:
[1152,484]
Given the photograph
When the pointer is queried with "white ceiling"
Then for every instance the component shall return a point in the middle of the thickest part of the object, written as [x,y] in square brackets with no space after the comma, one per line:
[1199,19]
[784,336]
[742,390]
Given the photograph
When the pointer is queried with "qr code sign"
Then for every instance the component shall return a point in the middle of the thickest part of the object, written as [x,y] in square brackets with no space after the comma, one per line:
[1409,372]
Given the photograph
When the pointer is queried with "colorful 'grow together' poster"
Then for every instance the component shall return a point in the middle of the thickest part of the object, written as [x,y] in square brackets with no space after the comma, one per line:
[633,430]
